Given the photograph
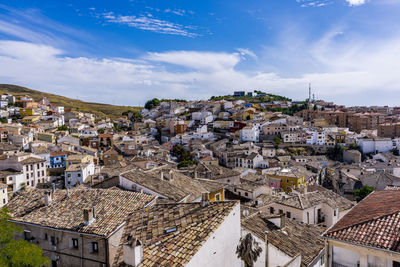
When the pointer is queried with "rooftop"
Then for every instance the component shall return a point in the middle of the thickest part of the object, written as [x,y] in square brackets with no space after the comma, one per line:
[66,212]
[374,222]
[292,239]
[189,226]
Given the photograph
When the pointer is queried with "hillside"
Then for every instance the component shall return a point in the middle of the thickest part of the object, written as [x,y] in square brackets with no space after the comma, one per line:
[103,110]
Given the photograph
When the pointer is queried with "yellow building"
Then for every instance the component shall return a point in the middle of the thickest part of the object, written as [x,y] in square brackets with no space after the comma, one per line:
[289,179]
[30,119]
[26,112]
[216,190]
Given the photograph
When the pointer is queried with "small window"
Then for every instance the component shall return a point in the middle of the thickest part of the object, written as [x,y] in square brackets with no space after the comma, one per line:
[45,236]
[27,235]
[334,212]
[246,194]
[79,175]
[74,243]
[38,174]
[95,247]
[280,211]
[271,210]
[288,214]
[53,240]
[42,173]
[42,164]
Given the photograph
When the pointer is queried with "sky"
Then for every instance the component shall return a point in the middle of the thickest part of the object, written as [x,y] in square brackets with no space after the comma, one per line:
[128,51]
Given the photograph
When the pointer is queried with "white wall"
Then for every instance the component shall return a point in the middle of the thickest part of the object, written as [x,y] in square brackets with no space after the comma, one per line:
[344,256]
[276,257]
[220,248]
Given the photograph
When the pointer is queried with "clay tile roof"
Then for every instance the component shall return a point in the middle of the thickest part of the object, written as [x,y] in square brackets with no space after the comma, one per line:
[194,225]
[312,199]
[374,222]
[293,239]
[176,189]
[32,160]
[58,153]
[66,212]
[111,152]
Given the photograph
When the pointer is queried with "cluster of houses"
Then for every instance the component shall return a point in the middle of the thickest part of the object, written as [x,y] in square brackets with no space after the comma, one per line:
[192,183]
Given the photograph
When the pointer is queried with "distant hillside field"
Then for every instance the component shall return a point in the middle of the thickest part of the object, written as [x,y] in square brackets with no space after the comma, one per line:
[103,110]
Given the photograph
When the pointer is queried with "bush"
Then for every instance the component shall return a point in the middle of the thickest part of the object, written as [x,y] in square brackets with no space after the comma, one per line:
[363,192]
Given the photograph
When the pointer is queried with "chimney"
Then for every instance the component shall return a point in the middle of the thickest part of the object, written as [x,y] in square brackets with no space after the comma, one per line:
[162,175]
[171,176]
[278,221]
[53,187]
[195,175]
[133,252]
[88,216]
[47,198]
[204,200]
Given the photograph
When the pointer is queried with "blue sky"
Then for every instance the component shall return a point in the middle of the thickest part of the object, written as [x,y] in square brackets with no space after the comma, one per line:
[127,51]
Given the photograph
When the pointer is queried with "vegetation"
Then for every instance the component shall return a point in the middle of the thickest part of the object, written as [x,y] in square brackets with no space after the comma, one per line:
[63,128]
[336,153]
[290,110]
[152,103]
[17,252]
[102,110]
[277,141]
[363,192]
[184,157]
[395,152]
[254,99]
[3,120]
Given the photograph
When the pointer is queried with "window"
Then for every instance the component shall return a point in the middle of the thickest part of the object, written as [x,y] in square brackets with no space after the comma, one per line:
[74,243]
[288,214]
[246,194]
[27,235]
[45,236]
[271,210]
[334,212]
[38,174]
[280,211]
[218,197]
[31,167]
[37,165]
[53,240]
[42,173]
[27,167]
[79,175]
[27,176]
[95,247]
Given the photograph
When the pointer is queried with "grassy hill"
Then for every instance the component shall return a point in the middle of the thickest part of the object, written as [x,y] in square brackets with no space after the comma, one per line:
[103,110]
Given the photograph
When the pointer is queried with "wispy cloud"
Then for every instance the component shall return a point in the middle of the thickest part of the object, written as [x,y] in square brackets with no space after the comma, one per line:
[314,3]
[148,23]
[356,2]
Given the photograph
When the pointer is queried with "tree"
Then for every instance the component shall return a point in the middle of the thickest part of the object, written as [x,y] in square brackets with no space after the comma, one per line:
[277,141]
[17,252]
[315,107]
[248,250]
[152,103]
[63,128]
[336,153]
[364,191]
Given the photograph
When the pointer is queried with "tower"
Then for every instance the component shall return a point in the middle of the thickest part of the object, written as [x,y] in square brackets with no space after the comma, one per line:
[309,92]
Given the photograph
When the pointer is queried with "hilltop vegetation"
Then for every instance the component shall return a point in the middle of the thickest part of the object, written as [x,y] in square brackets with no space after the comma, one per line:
[103,110]
[261,98]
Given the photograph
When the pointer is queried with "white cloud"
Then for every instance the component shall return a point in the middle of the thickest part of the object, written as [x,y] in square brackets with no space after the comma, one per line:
[148,23]
[244,52]
[356,2]
[362,75]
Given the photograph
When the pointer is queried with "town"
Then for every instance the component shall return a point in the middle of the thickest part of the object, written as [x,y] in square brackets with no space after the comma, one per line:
[247,179]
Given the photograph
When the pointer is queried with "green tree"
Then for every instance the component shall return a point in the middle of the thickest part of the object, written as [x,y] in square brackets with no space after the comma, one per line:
[363,192]
[315,107]
[336,153]
[152,103]
[277,141]
[17,252]
[63,128]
